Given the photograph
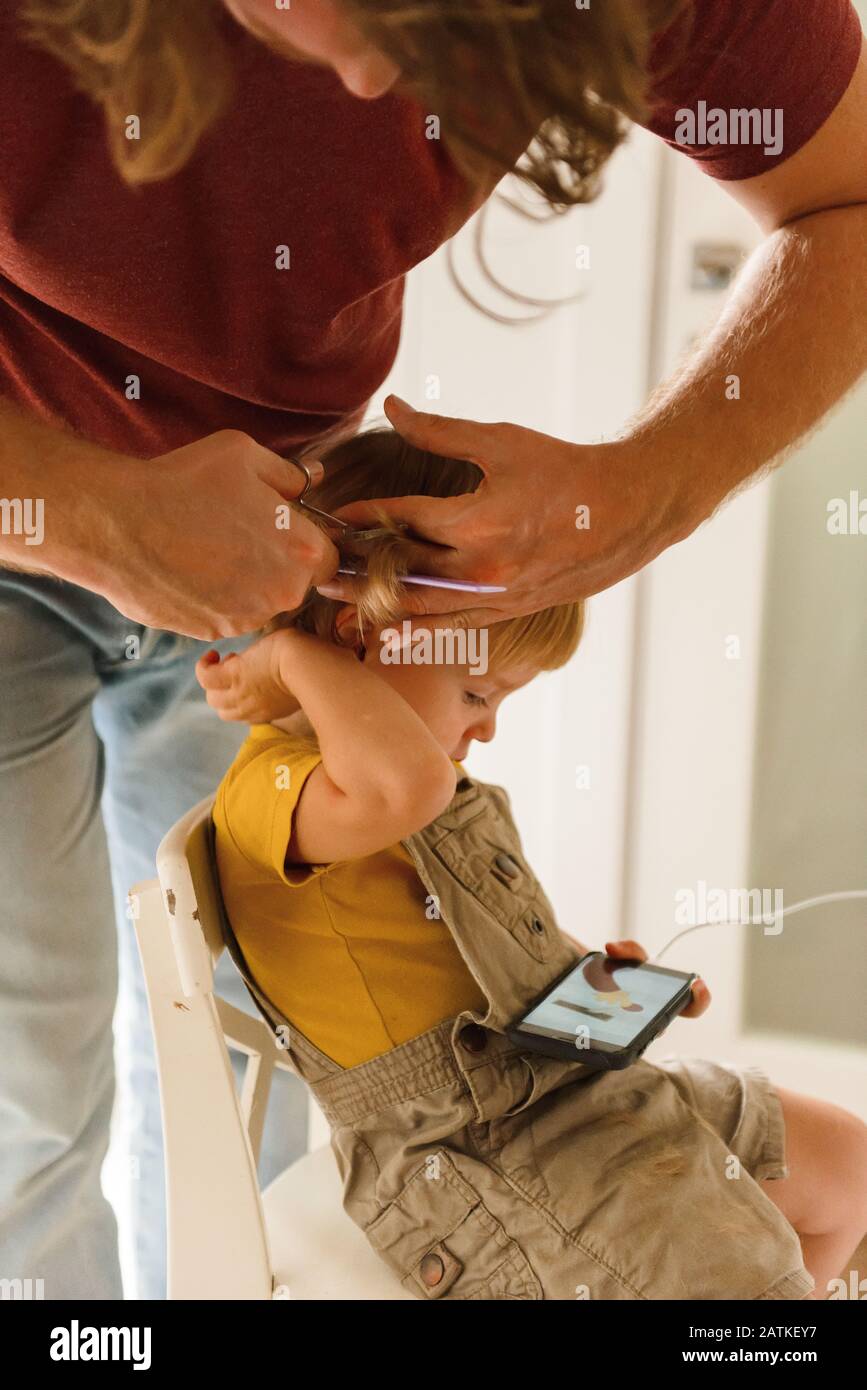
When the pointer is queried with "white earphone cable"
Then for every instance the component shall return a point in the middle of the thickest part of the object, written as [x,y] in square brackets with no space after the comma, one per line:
[786,912]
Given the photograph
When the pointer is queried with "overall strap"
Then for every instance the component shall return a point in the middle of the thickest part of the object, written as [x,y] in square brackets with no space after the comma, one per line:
[472,863]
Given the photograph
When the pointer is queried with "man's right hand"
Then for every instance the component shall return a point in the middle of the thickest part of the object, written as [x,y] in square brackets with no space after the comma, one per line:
[194,545]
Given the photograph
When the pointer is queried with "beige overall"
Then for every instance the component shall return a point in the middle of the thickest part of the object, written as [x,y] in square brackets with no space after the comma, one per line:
[478,1170]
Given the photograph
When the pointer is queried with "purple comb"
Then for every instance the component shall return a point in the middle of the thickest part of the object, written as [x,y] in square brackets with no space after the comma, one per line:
[350,533]
[435,582]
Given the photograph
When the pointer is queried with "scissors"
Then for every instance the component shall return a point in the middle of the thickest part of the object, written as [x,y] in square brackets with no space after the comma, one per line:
[351,533]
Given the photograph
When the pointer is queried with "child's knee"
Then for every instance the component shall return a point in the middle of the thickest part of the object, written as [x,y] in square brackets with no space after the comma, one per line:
[826,1152]
[854,1163]
[846,1149]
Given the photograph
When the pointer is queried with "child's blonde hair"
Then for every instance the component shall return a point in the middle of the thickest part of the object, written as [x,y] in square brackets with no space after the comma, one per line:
[380,463]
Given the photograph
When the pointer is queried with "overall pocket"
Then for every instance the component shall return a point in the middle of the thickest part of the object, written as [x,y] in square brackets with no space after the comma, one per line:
[540,1074]
[485,855]
[441,1240]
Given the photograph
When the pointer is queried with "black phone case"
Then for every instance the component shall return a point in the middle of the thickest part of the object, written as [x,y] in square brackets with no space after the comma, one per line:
[597,1061]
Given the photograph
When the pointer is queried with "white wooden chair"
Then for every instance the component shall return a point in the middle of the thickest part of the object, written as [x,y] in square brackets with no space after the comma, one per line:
[226,1239]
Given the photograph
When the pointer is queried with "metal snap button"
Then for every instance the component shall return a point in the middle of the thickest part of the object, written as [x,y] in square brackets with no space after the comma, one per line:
[506,863]
[431,1270]
[473,1037]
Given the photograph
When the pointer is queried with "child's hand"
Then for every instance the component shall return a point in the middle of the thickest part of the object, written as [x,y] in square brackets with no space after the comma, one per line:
[247,686]
[630,950]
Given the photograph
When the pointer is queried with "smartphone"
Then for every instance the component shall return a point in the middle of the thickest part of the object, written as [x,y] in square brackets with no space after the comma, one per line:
[603,1011]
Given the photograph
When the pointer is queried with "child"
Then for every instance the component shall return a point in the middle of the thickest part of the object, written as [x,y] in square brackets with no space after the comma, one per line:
[389,928]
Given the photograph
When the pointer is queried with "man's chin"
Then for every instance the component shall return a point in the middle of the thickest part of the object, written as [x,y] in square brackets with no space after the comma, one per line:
[283,49]
[273,40]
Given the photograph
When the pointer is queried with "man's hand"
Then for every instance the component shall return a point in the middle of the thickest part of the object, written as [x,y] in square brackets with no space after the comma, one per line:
[695,443]
[197,548]
[551,521]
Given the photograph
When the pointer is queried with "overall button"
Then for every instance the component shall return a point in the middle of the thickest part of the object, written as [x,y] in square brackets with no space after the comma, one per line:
[431,1270]
[473,1037]
[507,865]
[438,1270]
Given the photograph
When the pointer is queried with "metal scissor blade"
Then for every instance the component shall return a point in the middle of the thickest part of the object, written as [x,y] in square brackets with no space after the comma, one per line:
[435,582]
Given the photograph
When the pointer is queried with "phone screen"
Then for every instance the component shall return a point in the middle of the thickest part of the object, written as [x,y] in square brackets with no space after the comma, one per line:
[613,1000]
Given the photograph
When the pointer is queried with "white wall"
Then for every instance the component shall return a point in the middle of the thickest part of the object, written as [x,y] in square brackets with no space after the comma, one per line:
[690,778]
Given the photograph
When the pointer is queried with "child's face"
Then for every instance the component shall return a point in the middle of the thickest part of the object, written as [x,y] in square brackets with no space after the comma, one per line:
[456,703]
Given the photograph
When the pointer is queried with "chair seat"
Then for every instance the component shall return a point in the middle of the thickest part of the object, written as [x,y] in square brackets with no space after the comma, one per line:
[317,1251]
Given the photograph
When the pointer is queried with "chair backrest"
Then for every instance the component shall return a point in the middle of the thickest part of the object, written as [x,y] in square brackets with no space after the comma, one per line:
[216,1232]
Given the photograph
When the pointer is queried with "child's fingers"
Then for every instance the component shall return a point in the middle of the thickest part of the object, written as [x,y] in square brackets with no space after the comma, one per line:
[206,667]
[700,1002]
[214,675]
[701,995]
[628,950]
[234,701]
[211,659]
[220,700]
[218,691]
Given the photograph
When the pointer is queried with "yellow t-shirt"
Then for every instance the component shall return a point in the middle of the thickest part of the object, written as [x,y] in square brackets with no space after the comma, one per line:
[346,951]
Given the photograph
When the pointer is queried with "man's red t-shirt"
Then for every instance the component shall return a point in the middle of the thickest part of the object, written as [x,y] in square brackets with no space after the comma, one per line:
[177,283]
[792,56]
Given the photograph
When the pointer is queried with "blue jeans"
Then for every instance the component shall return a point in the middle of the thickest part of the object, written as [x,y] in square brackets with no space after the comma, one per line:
[105,741]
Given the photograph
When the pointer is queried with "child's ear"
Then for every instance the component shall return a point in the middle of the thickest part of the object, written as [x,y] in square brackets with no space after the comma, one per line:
[346,627]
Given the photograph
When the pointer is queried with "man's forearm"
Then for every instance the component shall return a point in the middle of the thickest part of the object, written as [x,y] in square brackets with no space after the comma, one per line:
[791,341]
[58,500]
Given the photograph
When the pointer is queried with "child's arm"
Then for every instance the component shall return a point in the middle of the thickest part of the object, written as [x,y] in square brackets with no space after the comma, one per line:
[382,776]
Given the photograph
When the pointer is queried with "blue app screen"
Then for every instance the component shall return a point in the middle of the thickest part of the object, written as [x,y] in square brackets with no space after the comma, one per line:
[608,1001]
